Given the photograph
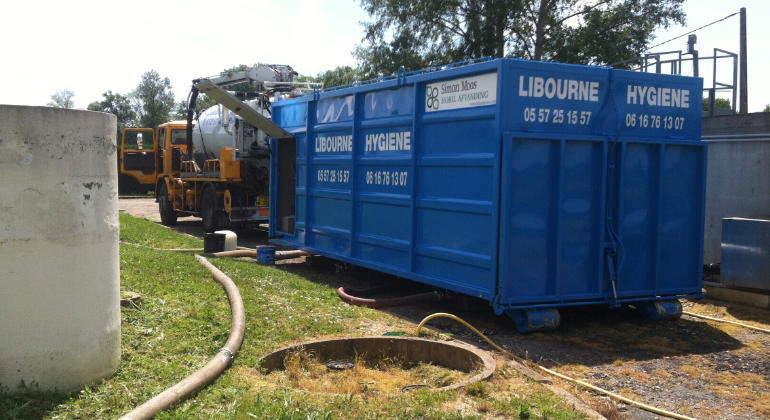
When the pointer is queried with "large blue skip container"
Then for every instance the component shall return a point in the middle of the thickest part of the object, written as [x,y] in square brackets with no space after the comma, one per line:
[530,185]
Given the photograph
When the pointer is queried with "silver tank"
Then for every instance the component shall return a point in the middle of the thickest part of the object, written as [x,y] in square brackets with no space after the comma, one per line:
[218,127]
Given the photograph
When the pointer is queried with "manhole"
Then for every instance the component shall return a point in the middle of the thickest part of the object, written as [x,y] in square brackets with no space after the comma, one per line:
[376,364]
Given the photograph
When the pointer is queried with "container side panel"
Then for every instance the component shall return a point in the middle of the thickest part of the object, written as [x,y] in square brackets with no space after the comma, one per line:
[528,185]
[456,205]
[384,179]
[553,198]
[681,224]
[291,116]
[557,98]
[329,190]
[580,213]
[389,102]
[338,109]
[639,219]
[657,105]
[301,206]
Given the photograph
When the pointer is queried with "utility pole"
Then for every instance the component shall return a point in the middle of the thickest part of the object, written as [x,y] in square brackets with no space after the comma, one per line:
[744,94]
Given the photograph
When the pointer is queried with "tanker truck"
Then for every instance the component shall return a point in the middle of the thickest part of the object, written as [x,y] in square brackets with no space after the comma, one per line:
[215,165]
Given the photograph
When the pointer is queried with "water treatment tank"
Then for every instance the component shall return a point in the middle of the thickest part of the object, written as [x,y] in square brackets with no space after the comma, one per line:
[59,263]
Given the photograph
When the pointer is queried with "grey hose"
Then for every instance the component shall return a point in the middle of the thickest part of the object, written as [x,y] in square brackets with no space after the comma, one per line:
[279,255]
[214,367]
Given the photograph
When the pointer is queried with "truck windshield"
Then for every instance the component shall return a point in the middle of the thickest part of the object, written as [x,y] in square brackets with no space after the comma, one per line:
[178,136]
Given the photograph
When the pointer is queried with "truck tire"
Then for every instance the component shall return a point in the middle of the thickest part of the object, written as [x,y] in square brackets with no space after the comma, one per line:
[208,210]
[167,213]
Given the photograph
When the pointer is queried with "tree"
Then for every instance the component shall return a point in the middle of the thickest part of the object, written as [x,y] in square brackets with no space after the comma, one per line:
[421,33]
[719,103]
[767,108]
[180,109]
[153,99]
[342,75]
[62,99]
[119,105]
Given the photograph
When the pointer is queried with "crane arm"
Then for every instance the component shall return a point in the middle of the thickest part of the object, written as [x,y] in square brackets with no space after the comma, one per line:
[241,109]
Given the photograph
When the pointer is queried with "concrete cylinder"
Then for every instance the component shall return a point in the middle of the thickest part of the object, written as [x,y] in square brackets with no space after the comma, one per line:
[59,262]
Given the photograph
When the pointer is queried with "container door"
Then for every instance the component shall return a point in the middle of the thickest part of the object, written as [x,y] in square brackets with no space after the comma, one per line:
[657,215]
[599,220]
[553,201]
[137,154]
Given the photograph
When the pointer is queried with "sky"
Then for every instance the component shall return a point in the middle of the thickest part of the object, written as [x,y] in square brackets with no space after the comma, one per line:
[90,47]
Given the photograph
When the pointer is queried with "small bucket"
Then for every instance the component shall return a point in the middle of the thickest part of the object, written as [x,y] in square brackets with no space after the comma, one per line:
[214,242]
[266,255]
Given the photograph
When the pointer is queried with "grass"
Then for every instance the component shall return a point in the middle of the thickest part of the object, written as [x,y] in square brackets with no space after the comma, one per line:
[183,319]
[303,370]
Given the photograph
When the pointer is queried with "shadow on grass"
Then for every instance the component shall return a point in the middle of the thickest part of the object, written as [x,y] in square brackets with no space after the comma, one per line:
[30,405]
[591,335]
[248,236]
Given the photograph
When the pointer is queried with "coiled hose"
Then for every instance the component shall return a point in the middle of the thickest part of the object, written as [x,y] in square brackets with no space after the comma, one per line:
[215,366]
[554,373]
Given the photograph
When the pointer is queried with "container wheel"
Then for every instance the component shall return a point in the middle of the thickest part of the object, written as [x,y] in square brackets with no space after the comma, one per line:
[530,320]
[659,310]
[167,213]
[209,210]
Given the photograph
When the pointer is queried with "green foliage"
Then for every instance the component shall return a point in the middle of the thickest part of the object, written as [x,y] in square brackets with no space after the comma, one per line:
[621,31]
[120,106]
[307,78]
[342,75]
[419,34]
[180,110]
[62,99]
[767,108]
[154,99]
[719,103]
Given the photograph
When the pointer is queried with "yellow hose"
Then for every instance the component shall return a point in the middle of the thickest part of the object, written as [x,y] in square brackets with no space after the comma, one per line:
[544,369]
[727,321]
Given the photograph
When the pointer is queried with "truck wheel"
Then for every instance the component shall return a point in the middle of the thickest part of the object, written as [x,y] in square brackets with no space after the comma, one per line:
[209,210]
[165,208]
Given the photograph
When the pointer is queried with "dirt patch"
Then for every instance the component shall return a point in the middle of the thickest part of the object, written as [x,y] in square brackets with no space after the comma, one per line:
[689,366]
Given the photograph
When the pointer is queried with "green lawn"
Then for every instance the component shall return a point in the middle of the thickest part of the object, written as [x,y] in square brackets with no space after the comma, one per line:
[184,318]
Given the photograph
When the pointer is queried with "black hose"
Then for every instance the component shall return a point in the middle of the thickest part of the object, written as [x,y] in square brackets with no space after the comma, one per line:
[190,110]
[434,296]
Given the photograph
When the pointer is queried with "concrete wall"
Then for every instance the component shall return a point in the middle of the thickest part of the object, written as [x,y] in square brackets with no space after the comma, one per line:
[59,262]
[738,179]
[756,122]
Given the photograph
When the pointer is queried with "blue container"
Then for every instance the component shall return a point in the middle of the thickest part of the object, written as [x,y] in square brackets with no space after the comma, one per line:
[746,253]
[527,184]
[266,255]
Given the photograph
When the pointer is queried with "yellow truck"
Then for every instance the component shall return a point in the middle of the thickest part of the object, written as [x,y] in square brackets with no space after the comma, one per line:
[215,165]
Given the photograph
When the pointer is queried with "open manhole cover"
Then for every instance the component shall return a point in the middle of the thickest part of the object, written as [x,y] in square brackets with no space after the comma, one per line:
[376,364]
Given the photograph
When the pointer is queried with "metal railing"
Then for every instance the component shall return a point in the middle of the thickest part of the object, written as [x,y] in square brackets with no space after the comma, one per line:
[672,62]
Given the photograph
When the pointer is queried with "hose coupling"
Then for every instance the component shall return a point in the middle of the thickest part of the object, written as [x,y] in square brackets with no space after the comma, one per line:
[229,352]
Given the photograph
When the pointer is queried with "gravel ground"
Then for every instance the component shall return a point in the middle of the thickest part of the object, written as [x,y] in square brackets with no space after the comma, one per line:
[690,366]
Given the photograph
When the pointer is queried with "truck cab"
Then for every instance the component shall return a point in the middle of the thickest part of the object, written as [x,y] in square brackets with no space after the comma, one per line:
[147,154]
